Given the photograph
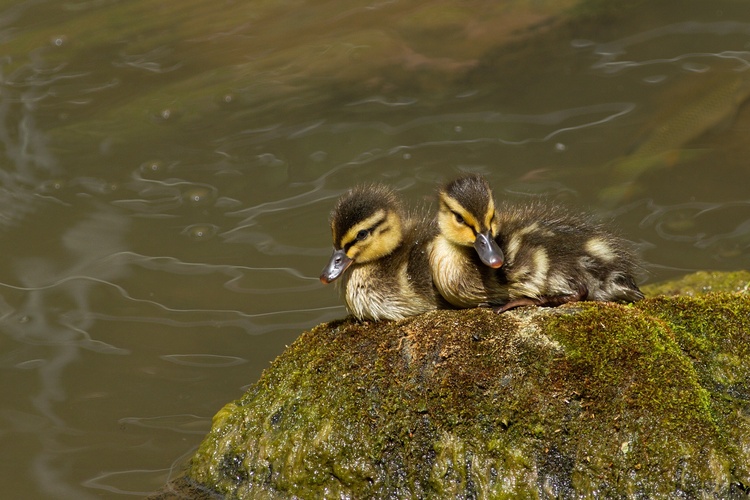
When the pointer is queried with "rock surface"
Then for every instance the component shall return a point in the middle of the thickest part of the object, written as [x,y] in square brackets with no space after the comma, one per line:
[585,400]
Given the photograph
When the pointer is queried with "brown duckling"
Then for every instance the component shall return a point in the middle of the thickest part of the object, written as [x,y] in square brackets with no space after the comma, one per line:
[380,255]
[537,254]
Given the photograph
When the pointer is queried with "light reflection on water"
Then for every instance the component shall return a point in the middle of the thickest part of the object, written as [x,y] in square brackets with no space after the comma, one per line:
[162,242]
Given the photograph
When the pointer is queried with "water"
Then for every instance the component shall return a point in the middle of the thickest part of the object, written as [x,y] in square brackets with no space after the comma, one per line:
[167,171]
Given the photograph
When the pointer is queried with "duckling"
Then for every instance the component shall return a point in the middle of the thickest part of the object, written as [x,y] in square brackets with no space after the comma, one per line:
[510,256]
[380,250]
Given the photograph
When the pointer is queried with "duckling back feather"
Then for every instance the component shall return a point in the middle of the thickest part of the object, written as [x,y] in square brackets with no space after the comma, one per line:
[551,255]
[551,251]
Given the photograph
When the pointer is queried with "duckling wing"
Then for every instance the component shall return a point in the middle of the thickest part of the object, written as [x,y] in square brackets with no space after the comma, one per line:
[552,252]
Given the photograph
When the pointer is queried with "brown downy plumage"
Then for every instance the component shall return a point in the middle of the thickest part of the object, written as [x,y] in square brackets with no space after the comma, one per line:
[537,254]
[380,255]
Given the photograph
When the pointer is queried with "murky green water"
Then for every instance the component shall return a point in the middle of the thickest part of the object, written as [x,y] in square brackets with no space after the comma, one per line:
[167,170]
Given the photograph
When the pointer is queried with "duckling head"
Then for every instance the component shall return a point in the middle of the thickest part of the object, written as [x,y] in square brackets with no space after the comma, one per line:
[366,226]
[467,217]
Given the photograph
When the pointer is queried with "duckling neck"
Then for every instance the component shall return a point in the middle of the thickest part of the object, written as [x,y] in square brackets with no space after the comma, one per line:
[458,274]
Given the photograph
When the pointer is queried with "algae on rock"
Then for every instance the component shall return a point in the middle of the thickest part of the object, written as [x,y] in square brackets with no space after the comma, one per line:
[585,400]
[702,282]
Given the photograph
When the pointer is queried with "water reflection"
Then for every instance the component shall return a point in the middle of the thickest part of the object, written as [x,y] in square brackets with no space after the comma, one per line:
[611,51]
[49,336]
[166,179]
[687,223]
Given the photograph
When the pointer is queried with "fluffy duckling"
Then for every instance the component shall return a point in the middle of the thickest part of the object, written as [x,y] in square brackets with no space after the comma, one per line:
[511,256]
[380,255]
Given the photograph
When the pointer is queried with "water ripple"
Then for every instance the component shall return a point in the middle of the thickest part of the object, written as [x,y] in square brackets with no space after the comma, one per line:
[184,423]
[121,482]
[609,52]
[203,360]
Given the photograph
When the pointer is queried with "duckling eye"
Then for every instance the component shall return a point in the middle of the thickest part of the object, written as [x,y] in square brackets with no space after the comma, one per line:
[459,219]
[362,234]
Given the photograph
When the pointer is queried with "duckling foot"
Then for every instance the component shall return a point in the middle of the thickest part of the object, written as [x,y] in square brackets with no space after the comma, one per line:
[544,300]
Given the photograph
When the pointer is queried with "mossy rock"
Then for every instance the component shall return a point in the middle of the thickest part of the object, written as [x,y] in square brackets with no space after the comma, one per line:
[702,282]
[588,400]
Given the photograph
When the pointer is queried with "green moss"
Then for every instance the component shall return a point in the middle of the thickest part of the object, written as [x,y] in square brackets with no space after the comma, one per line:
[589,399]
[702,282]
[713,330]
[636,381]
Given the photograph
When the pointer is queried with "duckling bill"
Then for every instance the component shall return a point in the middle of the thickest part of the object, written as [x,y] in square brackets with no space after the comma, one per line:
[537,254]
[379,259]
[469,203]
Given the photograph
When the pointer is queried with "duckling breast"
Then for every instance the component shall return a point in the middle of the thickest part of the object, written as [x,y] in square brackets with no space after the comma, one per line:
[458,275]
[364,301]
[371,292]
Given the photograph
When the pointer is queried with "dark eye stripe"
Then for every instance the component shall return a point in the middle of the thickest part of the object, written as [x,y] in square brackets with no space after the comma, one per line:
[370,230]
[461,220]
